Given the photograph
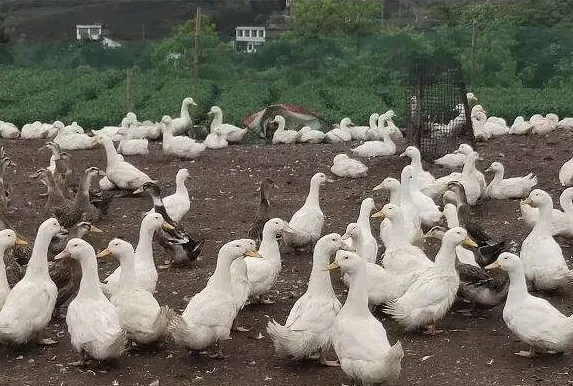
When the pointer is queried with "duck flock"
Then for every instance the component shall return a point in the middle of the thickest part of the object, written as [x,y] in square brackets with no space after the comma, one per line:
[403,281]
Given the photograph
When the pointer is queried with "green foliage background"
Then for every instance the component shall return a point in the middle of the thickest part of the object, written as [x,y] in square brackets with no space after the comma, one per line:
[339,60]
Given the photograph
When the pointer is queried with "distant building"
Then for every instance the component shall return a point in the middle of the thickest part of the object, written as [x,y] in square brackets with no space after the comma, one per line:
[89,32]
[248,38]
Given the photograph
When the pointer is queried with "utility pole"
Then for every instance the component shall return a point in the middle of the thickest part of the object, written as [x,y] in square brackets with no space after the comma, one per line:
[196,53]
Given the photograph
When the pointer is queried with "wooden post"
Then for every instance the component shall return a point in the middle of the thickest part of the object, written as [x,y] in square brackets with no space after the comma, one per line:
[473,57]
[196,53]
[129,91]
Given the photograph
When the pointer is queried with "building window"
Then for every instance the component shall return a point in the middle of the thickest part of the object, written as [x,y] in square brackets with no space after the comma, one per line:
[261,33]
[254,33]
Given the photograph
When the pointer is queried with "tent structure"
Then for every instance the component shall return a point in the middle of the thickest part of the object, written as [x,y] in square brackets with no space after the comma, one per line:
[295,116]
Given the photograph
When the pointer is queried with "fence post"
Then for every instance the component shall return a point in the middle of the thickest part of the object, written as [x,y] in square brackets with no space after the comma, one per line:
[129,91]
[196,53]
[473,58]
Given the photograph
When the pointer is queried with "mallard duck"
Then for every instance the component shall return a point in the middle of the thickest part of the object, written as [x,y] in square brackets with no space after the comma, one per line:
[456,159]
[309,135]
[359,133]
[216,139]
[256,230]
[184,122]
[516,187]
[543,261]
[400,255]
[478,286]
[307,222]
[281,135]
[344,166]
[432,294]
[307,331]
[177,205]
[8,239]
[59,167]
[179,146]
[566,173]
[181,246]
[369,245]
[263,273]
[232,133]
[534,320]
[139,313]
[66,273]
[209,316]
[562,222]
[122,174]
[359,339]
[93,322]
[145,269]
[377,148]
[340,134]
[29,305]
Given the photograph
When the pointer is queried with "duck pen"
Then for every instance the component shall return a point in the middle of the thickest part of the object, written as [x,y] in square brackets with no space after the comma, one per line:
[439,117]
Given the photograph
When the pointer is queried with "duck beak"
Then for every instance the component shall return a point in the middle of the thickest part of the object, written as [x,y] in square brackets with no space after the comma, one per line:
[378,187]
[345,236]
[194,103]
[330,180]
[487,170]
[62,255]
[287,228]
[379,214]
[332,267]
[167,227]
[138,190]
[20,241]
[493,265]
[252,253]
[104,254]
[95,230]
[403,154]
[469,243]
[527,201]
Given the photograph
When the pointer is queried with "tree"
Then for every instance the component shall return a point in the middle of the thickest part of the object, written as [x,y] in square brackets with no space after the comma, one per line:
[335,17]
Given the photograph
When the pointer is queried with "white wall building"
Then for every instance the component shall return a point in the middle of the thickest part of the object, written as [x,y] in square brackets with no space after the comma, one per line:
[89,31]
[248,38]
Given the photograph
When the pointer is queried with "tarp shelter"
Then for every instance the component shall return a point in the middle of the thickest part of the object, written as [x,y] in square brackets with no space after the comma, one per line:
[295,117]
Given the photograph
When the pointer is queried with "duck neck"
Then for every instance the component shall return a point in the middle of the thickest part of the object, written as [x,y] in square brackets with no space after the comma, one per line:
[180,189]
[388,139]
[185,112]
[54,188]
[38,264]
[222,274]
[373,123]
[398,236]
[313,194]
[517,284]
[446,257]
[83,194]
[364,216]
[145,240]
[497,177]
[452,218]
[469,166]
[167,133]
[89,285]
[127,277]
[357,300]
[395,195]
[281,126]
[110,153]
[417,163]
[217,119]
[319,281]
[566,202]
[545,220]
[269,247]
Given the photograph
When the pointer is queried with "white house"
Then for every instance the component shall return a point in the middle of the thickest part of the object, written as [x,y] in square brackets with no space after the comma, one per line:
[248,38]
[89,31]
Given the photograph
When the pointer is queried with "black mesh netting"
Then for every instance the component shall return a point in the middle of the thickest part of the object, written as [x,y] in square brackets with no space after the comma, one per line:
[438,116]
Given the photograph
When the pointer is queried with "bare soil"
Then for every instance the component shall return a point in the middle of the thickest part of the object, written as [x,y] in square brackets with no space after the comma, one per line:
[474,350]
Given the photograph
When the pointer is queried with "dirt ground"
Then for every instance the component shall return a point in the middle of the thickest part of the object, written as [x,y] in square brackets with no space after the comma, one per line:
[474,350]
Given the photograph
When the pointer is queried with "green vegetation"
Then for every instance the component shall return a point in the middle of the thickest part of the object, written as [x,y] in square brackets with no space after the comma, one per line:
[339,60]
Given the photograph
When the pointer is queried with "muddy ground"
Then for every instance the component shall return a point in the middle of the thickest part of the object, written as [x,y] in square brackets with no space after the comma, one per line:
[474,350]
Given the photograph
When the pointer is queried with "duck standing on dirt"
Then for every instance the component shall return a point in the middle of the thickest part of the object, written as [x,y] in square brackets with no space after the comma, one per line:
[256,230]
[8,239]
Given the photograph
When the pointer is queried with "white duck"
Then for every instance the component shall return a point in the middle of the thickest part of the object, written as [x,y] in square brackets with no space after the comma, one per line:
[209,316]
[240,280]
[400,256]
[34,130]
[232,133]
[68,140]
[534,320]
[565,123]
[386,119]
[29,305]
[308,135]
[9,130]
[465,256]
[516,187]
[307,222]
[520,126]
[8,239]
[393,186]
[369,245]
[359,339]
[543,261]
[543,125]
[139,313]
[359,133]
[385,147]
[281,135]
[496,126]
[562,222]
[340,134]
[424,179]
[411,213]
[183,123]
[93,322]
[566,173]
[307,331]
[120,173]
[145,269]
[455,160]
[262,273]
[344,166]
[374,133]
[432,294]
[131,146]
[472,179]
[216,139]
[179,146]
[177,204]
[428,211]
